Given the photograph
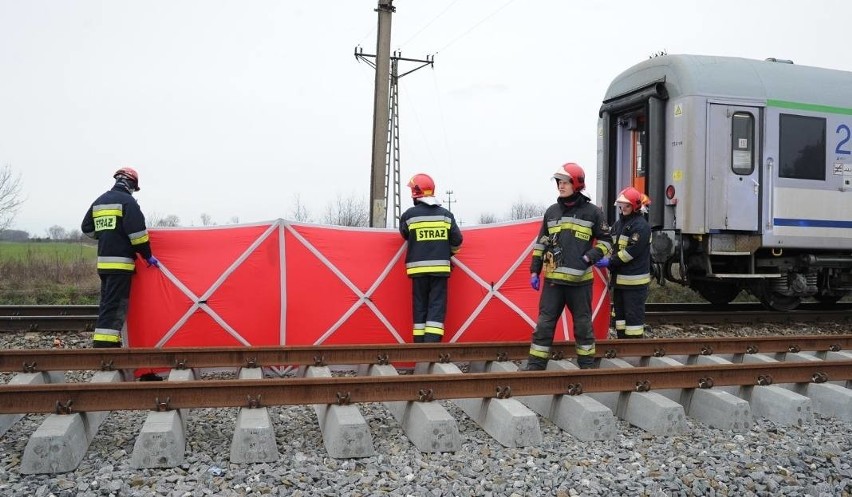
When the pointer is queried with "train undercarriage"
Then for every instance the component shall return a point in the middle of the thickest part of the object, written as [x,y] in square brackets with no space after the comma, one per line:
[780,279]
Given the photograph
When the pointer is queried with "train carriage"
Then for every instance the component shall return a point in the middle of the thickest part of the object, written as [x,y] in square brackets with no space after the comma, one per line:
[749,166]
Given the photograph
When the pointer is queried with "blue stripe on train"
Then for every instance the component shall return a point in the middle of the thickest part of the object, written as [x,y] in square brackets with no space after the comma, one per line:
[812,223]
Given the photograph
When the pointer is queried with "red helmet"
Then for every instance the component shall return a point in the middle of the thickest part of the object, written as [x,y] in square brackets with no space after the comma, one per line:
[633,197]
[572,173]
[128,173]
[421,186]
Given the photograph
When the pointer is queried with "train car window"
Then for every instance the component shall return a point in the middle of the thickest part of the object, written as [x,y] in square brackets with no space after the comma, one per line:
[742,143]
[802,147]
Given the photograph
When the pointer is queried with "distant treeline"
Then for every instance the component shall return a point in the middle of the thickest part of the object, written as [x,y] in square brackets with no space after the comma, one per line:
[14,236]
[54,234]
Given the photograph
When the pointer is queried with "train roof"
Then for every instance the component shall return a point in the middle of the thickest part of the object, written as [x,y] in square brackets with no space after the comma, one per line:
[734,77]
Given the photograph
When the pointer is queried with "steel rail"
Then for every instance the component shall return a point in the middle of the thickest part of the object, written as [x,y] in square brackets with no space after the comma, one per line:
[48,310]
[46,318]
[32,360]
[85,397]
[702,307]
[90,310]
[47,323]
[743,313]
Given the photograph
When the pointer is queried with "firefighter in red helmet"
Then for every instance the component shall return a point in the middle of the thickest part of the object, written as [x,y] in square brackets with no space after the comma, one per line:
[573,236]
[433,237]
[630,267]
[115,220]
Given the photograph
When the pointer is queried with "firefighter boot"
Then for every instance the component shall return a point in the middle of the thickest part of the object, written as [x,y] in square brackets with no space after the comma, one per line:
[536,364]
[586,362]
[101,344]
[431,338]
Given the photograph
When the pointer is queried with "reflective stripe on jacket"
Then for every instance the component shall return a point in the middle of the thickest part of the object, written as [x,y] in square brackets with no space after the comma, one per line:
[117,223]
[631,264]
[569,232]
[433,237]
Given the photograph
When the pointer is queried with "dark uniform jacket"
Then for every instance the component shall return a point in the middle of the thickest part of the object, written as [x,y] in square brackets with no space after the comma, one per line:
[433,237]
[631,263]
[117,223]
[572,227]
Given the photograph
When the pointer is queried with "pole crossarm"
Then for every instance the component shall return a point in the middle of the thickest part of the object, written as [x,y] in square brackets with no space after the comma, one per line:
[366,57]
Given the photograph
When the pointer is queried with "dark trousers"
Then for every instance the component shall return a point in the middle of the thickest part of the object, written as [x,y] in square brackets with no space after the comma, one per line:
[112,311]
[429,302]
[629,305]
[554,298]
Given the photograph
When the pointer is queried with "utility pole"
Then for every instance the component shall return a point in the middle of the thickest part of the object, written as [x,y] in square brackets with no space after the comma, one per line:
[385,164]
[450,200]
[378,202]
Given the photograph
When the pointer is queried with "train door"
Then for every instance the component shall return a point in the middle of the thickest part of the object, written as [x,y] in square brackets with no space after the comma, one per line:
[733,178]
[631,158]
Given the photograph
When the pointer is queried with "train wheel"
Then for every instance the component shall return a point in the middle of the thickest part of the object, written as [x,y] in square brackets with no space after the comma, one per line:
[778,302]
[823,283]
[828,299]
[715,292]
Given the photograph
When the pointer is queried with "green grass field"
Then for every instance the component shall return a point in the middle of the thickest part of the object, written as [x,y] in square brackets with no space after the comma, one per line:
[62,251]
[48,273]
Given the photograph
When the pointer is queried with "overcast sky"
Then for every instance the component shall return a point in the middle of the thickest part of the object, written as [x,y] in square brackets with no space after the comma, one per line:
[233,108]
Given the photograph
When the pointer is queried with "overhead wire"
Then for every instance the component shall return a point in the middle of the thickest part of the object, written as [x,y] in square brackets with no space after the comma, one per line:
[469,30]
[443,122]
[368,33]
[448,7]
[413,109]
[435,80]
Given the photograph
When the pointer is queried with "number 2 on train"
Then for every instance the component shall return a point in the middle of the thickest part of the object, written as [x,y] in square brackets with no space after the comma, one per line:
[840,149]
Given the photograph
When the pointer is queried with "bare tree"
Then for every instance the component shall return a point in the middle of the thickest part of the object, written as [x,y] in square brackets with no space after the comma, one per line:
[74,235]
[487,218]
[207,220]
[234,220]
[57,232]
[10,195]
[526,210]
[14,235]
[299,212]
[158,221]
[347,212]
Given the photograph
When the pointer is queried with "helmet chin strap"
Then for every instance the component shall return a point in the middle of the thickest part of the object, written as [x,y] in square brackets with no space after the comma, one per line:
[125,183]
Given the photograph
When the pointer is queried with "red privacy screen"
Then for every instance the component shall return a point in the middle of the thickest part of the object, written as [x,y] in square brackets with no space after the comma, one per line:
[283,283]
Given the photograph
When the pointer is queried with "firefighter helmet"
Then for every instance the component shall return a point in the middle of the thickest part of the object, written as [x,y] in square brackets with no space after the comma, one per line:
[632,197]
[421,186]
[128,173]
[572,173]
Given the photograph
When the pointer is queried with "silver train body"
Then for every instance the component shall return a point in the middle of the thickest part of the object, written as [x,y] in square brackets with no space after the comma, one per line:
[749,167]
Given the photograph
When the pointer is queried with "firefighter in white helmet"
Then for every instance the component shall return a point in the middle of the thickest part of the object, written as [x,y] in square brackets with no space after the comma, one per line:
[630,266]
[433,237]
[573,236]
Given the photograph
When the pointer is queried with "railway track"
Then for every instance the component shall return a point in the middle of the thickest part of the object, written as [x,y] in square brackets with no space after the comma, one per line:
[56,318]
[719,381]
[90,397]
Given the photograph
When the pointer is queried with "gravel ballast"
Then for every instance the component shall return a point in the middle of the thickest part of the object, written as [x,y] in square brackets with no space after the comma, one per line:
[814,459]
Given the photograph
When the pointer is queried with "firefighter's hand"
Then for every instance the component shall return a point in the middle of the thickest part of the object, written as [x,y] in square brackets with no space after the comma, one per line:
[603,262]
[535,282]
[153,261]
